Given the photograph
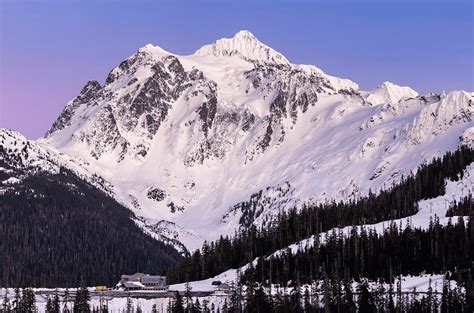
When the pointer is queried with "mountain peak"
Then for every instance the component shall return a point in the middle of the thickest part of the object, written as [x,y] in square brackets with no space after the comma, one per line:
[153,49]
[245,45]
[389,92]
[244,34]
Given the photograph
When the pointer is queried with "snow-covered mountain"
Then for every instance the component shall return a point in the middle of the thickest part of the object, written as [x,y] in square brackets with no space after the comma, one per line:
[200,145]
[390,93]
[21,158]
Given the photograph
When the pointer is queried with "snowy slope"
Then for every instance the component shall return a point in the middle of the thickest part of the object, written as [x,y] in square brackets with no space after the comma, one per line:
[429,209]
[20,157]
[390,93]
[245,45]
[191,142]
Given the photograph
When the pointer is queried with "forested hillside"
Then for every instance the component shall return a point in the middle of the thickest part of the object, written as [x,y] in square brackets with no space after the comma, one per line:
[366,254]
[56,230]
[396,202]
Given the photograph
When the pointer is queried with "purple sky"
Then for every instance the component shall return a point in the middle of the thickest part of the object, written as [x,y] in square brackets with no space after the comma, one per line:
[50,49]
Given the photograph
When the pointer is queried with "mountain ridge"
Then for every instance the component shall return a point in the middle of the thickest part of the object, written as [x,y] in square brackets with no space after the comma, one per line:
[211,134]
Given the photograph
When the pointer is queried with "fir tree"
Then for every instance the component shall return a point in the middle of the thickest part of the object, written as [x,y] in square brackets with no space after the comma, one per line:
[188,297]
[295,298]
[205,306]
[66,301]
[390,305]
[81,302]
[365,302]
[178,306]
[235,304]
[327,296]
[129,306]
[49,305]
[349,304]
[27,301]
[258,301]
[197,306]
[307,301]
[56,306]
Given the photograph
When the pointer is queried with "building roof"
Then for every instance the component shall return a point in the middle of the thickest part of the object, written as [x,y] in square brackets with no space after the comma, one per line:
[132,284]
[135,276]
[223,286]
[152,279]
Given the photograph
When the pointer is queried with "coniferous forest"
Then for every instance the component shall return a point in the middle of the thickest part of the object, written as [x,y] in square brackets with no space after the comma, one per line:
[290,227]
[465,207]
[56,231]
[366,254]
[334,295]
[340,258]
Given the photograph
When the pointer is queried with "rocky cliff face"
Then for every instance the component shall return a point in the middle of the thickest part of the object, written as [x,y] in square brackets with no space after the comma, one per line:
[124,115]
[218,133]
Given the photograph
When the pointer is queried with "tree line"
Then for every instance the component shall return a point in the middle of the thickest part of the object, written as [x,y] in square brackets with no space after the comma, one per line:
[24,301]
[398,201]
[331,295]
[463,207]
[363,253]
[57,231]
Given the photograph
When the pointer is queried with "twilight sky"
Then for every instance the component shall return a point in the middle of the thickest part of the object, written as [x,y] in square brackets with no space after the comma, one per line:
[50,49]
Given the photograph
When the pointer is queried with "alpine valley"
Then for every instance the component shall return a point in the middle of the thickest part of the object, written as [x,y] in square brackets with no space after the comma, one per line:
[204,145]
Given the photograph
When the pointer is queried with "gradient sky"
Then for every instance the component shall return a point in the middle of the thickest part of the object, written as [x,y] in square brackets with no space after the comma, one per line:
[50,49]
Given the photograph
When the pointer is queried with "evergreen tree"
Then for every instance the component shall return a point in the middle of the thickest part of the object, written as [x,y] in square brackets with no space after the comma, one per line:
[188,297]
[390,304]
[429,298]
[349,304]
[445,297]
[379,297]
[56,303]
[49,305]
[205,306]
[295,298]
[307,301]
[327,296]
[178,306]
[129,306]
[66,301]
[365,301]
[105,308]
[250,297]
[257,300]
[27,301]
[81,301]
[197,306]
[236,299]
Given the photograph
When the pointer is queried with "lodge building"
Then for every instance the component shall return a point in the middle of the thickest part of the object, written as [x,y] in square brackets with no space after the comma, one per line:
[141,281]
